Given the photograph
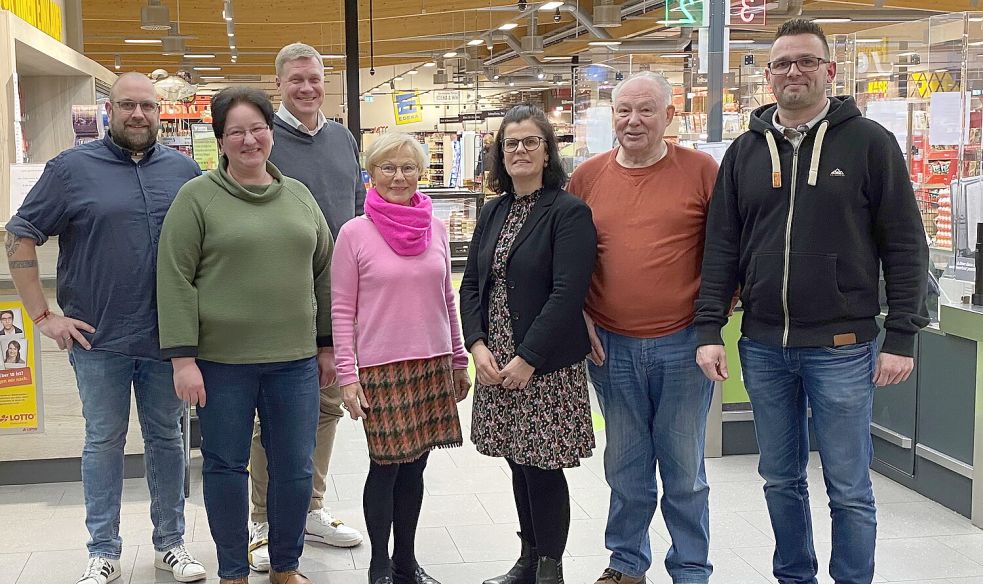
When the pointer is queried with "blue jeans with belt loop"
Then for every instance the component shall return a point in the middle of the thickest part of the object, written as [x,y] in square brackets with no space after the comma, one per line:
[655,400]
[286,395]
[837,383]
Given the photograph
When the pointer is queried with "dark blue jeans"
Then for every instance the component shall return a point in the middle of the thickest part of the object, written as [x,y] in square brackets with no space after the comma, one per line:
[105,383]
[837,383]
[655,400]
[286,396]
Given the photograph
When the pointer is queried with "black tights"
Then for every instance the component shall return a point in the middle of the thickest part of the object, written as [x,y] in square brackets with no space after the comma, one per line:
[543,502]
[392,501]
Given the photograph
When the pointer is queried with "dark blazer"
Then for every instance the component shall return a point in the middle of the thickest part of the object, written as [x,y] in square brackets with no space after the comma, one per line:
[548,273]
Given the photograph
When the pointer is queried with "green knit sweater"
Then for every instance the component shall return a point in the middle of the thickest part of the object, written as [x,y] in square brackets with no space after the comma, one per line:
[243,273]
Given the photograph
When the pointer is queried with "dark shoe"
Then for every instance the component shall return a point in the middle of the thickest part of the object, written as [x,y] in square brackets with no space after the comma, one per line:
[417,577]
[549,571]
[524,570]
[612,576]
[383,580]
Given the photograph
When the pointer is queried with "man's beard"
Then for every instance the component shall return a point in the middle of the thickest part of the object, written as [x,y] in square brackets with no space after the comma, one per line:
[136,139]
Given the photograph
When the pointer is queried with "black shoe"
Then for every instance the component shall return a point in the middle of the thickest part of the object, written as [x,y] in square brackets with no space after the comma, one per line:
[524,570]
[549,571]
[417,577]
[383,580]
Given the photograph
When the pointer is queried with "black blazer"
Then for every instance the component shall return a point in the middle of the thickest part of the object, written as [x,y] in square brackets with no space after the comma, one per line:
[548,273]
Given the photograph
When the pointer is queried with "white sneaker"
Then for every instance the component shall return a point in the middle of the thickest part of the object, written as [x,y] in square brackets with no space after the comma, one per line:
[259,546]
[322,527]
[100,571]
[180,563]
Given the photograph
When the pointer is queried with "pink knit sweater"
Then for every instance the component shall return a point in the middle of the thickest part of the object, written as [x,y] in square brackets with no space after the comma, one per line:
[386,307]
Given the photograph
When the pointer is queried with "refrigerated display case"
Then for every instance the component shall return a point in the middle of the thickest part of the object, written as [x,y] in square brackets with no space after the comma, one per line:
[458,209]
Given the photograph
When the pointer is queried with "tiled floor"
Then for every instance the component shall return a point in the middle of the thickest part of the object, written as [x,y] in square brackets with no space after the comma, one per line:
[468,524]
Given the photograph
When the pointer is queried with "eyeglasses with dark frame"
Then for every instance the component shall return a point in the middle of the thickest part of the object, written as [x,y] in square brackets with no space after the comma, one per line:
[530,143]
[129,106]
[408,170]
[803,64]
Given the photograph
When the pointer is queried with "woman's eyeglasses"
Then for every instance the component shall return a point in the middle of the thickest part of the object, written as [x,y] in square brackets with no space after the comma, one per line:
[408,170]
[530,143]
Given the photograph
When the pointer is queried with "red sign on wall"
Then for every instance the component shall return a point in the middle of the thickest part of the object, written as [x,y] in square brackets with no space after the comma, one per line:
[747,12]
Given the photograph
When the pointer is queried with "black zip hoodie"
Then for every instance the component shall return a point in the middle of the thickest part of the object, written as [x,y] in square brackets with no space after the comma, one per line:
[803,232]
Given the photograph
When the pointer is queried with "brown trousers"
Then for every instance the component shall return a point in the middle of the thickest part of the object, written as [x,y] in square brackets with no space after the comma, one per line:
[327,424]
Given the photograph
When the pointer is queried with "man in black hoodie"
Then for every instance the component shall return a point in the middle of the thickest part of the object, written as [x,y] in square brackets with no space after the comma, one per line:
[808,206]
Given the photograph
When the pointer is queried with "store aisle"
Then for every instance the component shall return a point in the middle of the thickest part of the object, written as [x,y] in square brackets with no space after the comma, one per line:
[469,522]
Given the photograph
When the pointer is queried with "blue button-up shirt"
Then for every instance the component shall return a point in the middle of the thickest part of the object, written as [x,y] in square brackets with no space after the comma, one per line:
[107,211]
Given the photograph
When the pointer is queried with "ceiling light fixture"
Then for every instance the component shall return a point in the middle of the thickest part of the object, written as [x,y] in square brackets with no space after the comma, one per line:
[332,56]
[869,41]
[155,16]
[475,42]
[604,43]
[142,41]
[674,55]
[832,20]
[201,56]
[430,64]
[556,58]
[227,11]
[508,26]
[741,41]
[207,68]
[450,54]
[551,5]
[118,62]
[397,78]
[412,72]
[213,77]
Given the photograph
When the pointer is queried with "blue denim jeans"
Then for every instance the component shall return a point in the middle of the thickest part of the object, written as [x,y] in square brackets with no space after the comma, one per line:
[286,396]
[837,384]
[104,382]
[655,400]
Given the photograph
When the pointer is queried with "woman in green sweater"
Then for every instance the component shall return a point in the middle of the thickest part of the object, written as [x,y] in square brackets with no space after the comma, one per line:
[243,287]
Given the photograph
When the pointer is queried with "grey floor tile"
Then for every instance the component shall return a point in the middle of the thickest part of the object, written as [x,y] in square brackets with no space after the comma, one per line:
[349,486]
[594,502]
[485,543]
[922,558]
[970,546]
[448,510]
[433,546]
[470,573]
[898,520]
[11,566]
[474,480]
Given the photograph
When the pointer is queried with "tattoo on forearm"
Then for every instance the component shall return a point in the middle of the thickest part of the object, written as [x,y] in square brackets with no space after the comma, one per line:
[22,264]
[12,242]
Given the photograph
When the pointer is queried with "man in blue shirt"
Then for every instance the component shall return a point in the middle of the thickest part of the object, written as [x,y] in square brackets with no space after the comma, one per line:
[106,201]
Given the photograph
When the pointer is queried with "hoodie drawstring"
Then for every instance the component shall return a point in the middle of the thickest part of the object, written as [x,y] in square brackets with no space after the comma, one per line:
[776,163]
[817,148]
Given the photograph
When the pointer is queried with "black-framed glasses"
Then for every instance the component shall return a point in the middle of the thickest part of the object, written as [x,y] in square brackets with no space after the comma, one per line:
[803,64]
[130,106]
[530,143]
[408,170]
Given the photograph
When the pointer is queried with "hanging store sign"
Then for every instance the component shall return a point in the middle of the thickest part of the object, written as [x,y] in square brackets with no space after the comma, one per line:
[43,15]
[748,12]
[687,13]
[407,108]
[445,96]
[199,109]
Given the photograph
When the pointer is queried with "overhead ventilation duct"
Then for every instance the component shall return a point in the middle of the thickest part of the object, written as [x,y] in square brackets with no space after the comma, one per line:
[173,46]
[155,16]
[607,14]
[440,77]
[532,44]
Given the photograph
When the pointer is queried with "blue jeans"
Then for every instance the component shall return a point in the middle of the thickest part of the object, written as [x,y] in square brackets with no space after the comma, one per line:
[837,384]
[655,400]
[104,383]
[286,396]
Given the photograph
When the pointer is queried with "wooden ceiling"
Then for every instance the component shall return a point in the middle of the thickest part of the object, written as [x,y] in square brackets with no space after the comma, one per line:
[405,31]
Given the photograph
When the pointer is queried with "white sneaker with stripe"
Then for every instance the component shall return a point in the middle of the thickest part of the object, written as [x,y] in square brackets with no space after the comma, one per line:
[179,562]
[100,571]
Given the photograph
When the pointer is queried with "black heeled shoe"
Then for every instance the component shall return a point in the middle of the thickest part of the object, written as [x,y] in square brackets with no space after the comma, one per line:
[524,570]
[383,580]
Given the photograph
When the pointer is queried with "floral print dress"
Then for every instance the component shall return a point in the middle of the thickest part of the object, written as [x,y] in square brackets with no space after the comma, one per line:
[547,424]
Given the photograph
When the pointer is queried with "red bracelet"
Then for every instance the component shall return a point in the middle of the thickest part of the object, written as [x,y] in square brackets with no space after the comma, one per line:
[42,316]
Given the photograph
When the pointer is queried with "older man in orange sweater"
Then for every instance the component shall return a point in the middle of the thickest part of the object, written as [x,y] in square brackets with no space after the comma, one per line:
[649,199]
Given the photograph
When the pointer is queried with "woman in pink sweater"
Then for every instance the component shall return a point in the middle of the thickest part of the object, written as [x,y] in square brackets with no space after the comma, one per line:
[399,353]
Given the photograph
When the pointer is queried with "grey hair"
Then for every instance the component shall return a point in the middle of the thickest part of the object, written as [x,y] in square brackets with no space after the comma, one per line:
[296,51]
[390,143]
[665,88]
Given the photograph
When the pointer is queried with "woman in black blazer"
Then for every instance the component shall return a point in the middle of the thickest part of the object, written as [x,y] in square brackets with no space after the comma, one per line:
[528,271]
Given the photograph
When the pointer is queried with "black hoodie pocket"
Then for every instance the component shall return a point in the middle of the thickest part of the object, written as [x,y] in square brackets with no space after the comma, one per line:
[813,293]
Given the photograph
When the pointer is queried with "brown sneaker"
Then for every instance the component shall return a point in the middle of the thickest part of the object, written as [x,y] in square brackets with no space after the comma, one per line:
[291,577]
[236,581]
[610,576]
